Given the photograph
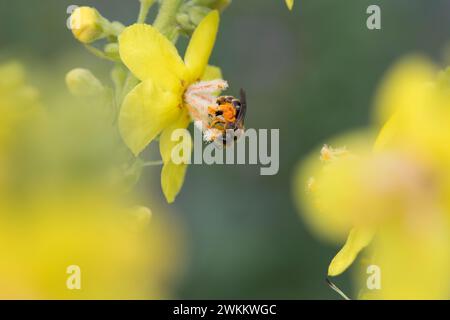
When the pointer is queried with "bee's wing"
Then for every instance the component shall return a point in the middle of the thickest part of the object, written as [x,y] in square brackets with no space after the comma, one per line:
[243,111]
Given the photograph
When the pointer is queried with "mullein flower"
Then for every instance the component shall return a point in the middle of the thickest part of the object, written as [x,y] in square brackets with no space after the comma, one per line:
[390,193]
[172,92]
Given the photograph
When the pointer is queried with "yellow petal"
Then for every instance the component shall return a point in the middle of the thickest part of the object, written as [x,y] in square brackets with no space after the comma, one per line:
[357,240]
[413,265]
[146,111]
[212,73]
[172,175]
[172,179]
[290,4]
[166,144]
[404,87]
[387,133]
[151,56]
[201,45]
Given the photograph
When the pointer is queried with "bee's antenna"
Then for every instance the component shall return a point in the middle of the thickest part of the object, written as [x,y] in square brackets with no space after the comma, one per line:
[243,97]
[336,289]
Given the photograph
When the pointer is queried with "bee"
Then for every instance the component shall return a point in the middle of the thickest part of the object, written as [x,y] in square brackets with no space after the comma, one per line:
[227,118]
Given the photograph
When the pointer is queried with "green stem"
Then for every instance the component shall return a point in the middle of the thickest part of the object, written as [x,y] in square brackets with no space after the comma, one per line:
[166,22]
[144,9]
[98,53]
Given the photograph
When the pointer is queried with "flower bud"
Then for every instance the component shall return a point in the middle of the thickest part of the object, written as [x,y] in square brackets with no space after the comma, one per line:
[197,14]
[212,4]
[220,4]
[87,24]
[82,83]
[112,51]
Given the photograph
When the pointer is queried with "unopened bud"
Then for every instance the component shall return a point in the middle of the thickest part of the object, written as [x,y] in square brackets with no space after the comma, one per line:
[197,14]
[213,4]
[87,24]
[112,51]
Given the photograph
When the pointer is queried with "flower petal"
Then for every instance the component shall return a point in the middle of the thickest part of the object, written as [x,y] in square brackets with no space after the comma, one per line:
[290,4]
[151,56]
[172,175]
[146,111]
[166,144]
[212,73]
[357,240]
[201,45]
[172,179]
[404,88]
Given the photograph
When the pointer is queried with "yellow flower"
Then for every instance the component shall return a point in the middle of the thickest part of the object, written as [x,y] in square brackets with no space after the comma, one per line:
[158,105]
[86,24]
[391,191]
[290,4]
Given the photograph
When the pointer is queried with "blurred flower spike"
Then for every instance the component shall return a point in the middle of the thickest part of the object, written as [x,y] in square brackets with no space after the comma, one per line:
[389,191]
[170,95]
[60,204]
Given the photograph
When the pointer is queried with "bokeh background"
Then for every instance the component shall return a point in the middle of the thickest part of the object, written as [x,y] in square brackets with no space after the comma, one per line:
[311,73]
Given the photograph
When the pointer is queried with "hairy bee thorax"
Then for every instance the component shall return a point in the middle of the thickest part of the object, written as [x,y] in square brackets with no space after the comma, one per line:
[220,118]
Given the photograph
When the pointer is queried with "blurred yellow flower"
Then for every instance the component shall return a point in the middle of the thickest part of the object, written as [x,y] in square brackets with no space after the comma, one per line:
[157,105]
[290,4]
[391,191]
[120,253]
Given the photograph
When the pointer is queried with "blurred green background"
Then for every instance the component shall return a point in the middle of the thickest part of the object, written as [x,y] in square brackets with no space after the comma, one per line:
[311,73]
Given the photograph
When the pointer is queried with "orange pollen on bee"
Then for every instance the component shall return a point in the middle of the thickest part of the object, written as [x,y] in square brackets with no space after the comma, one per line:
[228,112]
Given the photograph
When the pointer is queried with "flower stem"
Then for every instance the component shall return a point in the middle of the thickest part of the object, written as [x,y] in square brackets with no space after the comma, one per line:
[165,21]
[152,163]
[144,9]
